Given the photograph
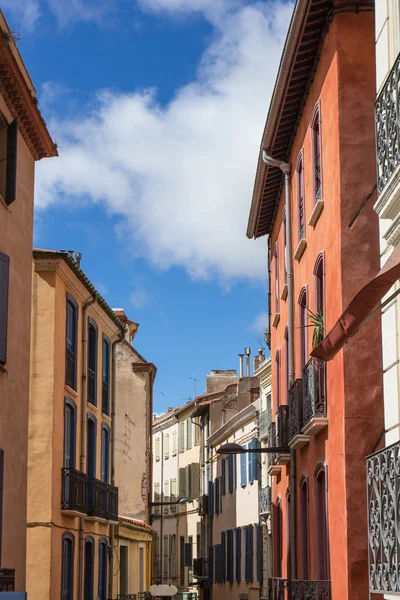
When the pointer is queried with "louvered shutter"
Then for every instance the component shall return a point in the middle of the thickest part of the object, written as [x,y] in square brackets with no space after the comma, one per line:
[229,555]
[238,554]
[243,471]
[256,460]
[258,552]
[210,498]
[230,472]
[4,284]
[11,168]
[195,480]
[223,478]
[223,556]
[210,564]
[182,482]
[188,554]
[251,553]
[250,463]
[217,501]
[235,470]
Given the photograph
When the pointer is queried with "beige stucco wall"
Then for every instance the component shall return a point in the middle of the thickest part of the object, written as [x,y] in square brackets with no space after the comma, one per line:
[52,279]
[16,224]
[134,538]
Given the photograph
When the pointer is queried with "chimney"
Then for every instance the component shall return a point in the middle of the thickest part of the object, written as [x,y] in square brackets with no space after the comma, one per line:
[248,353]
[78,258]
[170,408]
[240,364]
[258,360]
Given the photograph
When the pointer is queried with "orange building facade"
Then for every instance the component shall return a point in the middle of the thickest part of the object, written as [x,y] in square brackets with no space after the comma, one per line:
[323,246]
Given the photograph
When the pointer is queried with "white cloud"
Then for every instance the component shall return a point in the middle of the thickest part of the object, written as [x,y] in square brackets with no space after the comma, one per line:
[71,11]
[260,323]
[139,298]
[180,176]
[212,9]
[24,12]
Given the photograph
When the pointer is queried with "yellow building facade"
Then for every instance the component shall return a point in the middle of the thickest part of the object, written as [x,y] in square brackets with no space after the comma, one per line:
[72,506]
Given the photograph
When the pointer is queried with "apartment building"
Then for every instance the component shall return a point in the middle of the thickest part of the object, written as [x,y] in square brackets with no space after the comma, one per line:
[315,177]
[24,139]
[72,499]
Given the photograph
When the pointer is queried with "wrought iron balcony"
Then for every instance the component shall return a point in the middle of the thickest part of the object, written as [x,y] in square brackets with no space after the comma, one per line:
[273,468]
[314,397]
[387,120]
[126,597]
[200,568]
[265,500]
[264,420]
[297,439]
[383,490]
[203,505]
[102,500]
[298,589]
[7,580]
[73,496]
[282,433]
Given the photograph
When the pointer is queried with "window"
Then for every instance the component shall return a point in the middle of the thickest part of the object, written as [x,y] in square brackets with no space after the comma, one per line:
[174,497]
[89,569]
[288,526]
[303,322]
[1,498]
[229,555]
[223,556]
[286,338]
[230,472]
[91,446]
[69,433]
[181,561]
[141,568]
[300,196]
[321,518]
[210,498]
[92,362]
[103,555]
[105,453]
[71,342]
[217,493]
[249,553]
[319,285]
[210,563]
[189,426]
[4,282]
[157,449]
[304,530]
[123,570]
[166,495]
[276,257]
[253,460]
[165,558]
[316,153]
[223,478]
[278,378]
[166,446]
[105,376]
[174,442]
[278,540]
[259,553]
[8,162]
[182,436]
[67,567]
[238,553]
[243,470]
[172,556]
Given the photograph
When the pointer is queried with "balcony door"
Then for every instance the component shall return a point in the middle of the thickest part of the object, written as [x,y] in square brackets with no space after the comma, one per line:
[105,454]
[103,569]
[321,518]
[91,447]
[69,434]
[89,569]
[67,566]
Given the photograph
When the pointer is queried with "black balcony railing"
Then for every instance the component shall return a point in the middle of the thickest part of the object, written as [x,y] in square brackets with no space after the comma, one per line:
[203,505]
[383,491]
[102,500]
[264,420]
[314,390]
[295,408]
[387,119]
[73,490]
[265,500]
[271,442]
[282,426]
[200,568]
[297,589]
[126,597]
[7,580]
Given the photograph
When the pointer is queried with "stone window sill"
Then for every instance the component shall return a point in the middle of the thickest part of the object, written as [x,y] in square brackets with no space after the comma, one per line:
[300,249]
[276,320]
[284,292]
[316,213]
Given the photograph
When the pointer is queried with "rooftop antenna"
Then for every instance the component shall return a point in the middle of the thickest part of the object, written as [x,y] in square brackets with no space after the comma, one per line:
[194,385]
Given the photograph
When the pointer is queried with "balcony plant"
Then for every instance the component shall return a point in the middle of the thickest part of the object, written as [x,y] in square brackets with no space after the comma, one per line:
[316,320]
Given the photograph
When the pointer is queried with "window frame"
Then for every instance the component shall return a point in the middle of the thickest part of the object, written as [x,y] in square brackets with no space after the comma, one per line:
[316,121]
[102,575]
[105,391]
[304,528]
[4,300]
[90,417]
[303,329]
[286,341]
[70,301]
[278,378]
[300,197]
[105,429]
[284,244]
[277,294]
[321,514]
[320,285]
[69,402]
[92,325]
[68,535]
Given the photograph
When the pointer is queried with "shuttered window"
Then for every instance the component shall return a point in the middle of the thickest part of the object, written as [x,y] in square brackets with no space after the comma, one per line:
[157,449]
[11,162]
[300,197]
[243,470]
[210,564]
[189,428]
[229,555]
[182,437]
[210,498]
[4,284]
[258,552]
[92,362]
[249,553]
[189,553]
[105,376]
[238,554]
[223,556]
[217,500]
[223,478]
[235,470]
[182,482]
[67,566]
[250,463]
[194,480]
[71,342]
[230,472]
[166,446]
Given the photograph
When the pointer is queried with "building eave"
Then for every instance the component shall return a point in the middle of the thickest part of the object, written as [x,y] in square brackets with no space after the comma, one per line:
[236,422]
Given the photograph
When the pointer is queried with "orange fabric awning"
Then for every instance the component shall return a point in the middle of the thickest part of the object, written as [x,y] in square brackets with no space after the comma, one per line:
[362,305]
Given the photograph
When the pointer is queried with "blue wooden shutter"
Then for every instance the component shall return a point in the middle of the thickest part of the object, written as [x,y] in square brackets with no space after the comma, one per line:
[11,164]
[250,462]
[255,458]
[210,564]
[230,473]
[238,553]
[210,498]
[4,279]
[217,500]
[223,478]
[258,552]
[243,471]
[223,556]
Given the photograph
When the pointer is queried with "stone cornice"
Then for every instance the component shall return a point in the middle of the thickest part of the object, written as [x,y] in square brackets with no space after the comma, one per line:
[392,235]
[388,204]
[22,104]
[146,367]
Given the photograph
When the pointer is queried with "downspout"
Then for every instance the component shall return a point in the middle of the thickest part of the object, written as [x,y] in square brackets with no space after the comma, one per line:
[161,507]
[82,457]
[120,339]
[285,168]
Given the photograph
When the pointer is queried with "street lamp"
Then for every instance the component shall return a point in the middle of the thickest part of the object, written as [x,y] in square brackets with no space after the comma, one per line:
[232,448]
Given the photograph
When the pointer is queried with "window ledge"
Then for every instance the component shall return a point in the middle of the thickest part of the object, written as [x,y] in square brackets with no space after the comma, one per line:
[106,417]
[92,406]
[3,202]
[284,292]
[302,245]
[276,320]
[316,213]
[71,391]
[3,369]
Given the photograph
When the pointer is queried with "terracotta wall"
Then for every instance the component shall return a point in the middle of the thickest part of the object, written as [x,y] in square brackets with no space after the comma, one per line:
[344,86]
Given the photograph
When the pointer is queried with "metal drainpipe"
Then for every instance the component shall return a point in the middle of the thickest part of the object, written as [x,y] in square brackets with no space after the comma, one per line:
[113,395]
[285,168]
[160,560]
[84,356]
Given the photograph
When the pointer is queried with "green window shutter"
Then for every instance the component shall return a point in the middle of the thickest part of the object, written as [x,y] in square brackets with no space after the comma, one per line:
[182,482]
[195,480]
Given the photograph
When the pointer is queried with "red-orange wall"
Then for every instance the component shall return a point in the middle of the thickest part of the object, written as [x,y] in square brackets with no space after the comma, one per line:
[344,84]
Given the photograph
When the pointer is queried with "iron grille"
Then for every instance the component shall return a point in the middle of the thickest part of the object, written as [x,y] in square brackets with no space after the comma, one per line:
[7,580]
[112,504]
[203,505]
[200,568]
[383,493]
[73,490]
[265,500]
[265,419]
[314,392]
[295,408]
[126,597]
[97,498]
[282,426]
[387,120]
[298,589]
[272,443]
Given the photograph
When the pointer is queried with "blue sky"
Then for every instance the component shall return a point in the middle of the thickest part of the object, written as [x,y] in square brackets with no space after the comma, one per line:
[158,108]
